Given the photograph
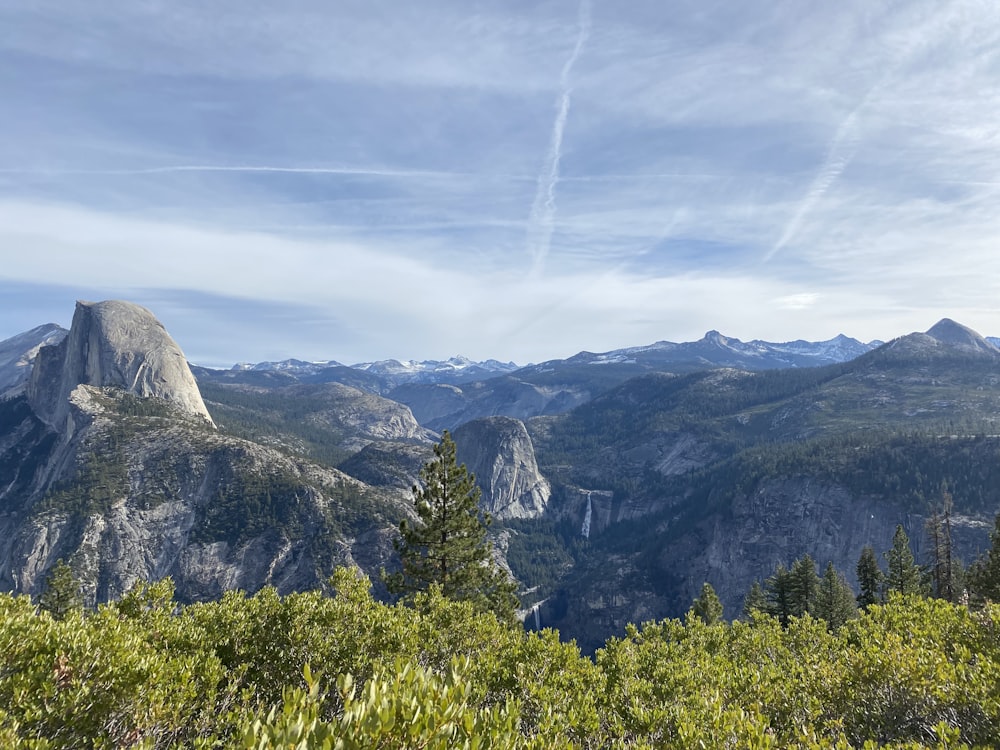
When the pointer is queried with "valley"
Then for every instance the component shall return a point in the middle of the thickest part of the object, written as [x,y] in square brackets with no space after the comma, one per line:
[619,482]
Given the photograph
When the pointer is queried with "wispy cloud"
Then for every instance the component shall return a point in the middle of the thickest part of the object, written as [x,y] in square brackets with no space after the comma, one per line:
[543,210]
[364,172]
[254,169]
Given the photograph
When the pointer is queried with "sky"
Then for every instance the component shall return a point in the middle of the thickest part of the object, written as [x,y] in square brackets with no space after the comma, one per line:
[363,180]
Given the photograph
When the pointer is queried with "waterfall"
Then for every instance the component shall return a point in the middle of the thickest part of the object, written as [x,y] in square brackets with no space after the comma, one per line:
[538,618]
[585,531]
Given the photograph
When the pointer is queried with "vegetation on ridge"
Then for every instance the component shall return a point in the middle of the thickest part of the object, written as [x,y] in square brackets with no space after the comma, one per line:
[315,671]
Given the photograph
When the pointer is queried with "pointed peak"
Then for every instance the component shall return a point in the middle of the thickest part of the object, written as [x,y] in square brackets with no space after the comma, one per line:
[947,331]
[714,337]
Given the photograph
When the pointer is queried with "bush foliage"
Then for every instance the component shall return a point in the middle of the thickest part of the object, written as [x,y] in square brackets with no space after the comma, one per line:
[341,670]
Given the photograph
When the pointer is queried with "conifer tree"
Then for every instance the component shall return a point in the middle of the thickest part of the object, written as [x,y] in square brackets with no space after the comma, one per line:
[62,591]
[835,601]
[870,578]
[804,586]
[755,601]
[447,546]
[946,571]
[707,607]
[778,590]
[903,573]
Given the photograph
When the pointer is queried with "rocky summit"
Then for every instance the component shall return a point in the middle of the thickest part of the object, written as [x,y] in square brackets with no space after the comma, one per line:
[111,462]
[118,345]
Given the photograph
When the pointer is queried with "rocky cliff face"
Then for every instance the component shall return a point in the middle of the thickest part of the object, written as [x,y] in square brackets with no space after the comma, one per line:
[362,417]
[149,497]
[18,353]
[112,344]
[500,454]
[777,523]
[111,462]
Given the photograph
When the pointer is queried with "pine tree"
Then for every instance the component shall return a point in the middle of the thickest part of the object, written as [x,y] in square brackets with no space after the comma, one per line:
[778,591]
[755,601]
[707,607]
[903,573]
[448,547]
[870,578]
[62,591]
[835,601]
[804,586]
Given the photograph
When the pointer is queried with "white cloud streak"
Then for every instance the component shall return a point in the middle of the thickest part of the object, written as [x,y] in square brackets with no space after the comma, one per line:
[842,148]
[346,171]
[543,210]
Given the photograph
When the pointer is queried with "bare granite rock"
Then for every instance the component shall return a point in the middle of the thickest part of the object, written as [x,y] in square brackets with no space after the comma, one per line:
[112,344]
[499,452]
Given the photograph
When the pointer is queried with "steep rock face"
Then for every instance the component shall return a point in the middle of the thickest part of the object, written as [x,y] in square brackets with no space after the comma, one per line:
[18,353]
[499,452]
[777,523]
[117,344]
[148,497]
[111,462]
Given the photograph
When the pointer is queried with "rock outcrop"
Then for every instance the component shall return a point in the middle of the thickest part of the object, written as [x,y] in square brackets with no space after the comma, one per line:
[112,344]
[18,353]
[361,417]
[499,452]
[212,512]
[111,462]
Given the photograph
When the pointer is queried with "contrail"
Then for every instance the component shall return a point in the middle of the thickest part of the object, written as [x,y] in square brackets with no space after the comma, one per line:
[844,145]
[543,210]
[360,171]
[842,149]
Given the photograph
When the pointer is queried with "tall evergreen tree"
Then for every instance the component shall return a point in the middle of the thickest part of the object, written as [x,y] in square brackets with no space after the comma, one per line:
[903,574]
[778,590]
[870,578]
[755,601]
[62,591]
[804,586]
[448,545]
[835,601]
[707,607]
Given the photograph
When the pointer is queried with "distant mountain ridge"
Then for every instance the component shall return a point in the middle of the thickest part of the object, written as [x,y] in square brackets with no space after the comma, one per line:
[17,354]
[392,371]
[715,349]
[712,350]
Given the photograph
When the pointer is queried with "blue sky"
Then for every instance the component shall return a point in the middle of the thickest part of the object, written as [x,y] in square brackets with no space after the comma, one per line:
[518,180]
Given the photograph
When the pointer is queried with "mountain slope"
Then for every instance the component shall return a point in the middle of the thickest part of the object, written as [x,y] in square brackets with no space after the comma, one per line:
[112,462]
[722,475]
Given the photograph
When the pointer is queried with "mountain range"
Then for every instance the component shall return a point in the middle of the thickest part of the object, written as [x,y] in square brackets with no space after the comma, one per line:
[620,481]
